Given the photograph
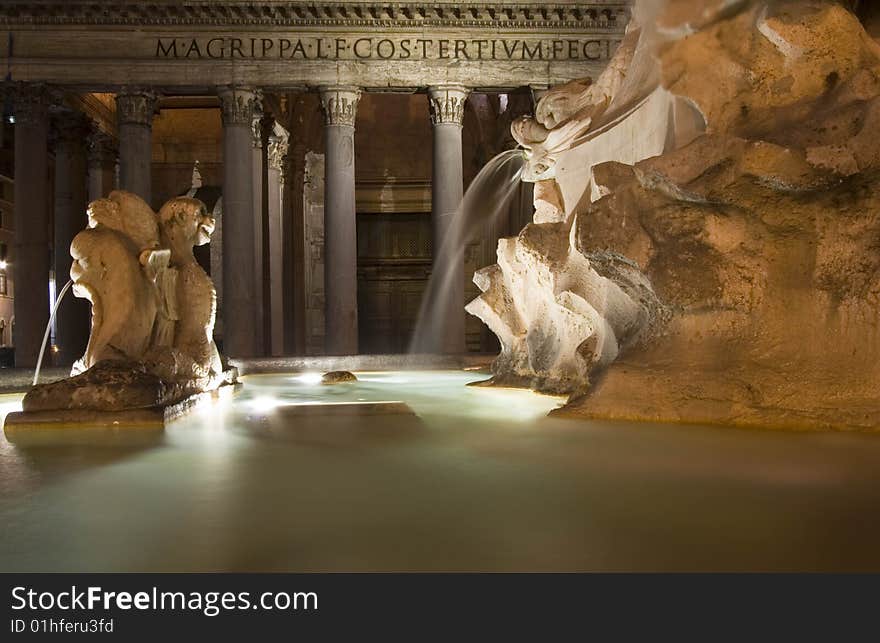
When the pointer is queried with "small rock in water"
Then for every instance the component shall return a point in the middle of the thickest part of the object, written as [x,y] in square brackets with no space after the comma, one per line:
[338,377]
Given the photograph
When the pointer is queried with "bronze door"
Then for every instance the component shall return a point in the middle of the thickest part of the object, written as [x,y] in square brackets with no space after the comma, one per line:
[394,263]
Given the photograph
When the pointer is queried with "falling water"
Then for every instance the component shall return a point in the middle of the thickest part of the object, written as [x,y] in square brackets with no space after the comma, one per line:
[487,198]
[48,328]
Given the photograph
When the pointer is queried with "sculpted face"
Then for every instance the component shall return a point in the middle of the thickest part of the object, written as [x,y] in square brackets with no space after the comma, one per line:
[531,136]
[205,226]
[105,271]
[89,269]
[186,222]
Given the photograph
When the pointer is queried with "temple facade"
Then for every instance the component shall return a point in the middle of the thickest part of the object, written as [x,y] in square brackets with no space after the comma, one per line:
[341,136]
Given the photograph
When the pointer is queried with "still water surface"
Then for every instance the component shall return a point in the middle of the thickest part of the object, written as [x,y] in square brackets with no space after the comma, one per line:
[480,480]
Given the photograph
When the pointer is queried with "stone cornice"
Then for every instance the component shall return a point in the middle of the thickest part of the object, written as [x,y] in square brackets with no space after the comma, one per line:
[598,15]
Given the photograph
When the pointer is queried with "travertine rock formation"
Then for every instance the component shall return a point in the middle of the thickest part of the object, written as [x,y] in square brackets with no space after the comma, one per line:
[737,168]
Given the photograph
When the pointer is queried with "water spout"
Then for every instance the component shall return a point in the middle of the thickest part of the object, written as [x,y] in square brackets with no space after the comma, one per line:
[487,198]
[49,327]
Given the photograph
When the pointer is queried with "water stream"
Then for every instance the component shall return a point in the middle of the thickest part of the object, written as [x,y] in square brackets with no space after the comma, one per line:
[488,197]
[49,328]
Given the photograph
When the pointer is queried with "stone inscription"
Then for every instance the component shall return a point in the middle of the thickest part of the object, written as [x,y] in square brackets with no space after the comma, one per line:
[377,48]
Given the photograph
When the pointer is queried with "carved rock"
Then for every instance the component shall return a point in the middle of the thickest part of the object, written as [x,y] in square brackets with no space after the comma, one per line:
[731,185]
[111,385]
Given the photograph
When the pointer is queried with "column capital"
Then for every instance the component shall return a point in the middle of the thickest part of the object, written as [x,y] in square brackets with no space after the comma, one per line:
[31,101]
[70,127]
[102,149]
[135,106]
[446,104]
[238,105]
[278,145]
[340,104]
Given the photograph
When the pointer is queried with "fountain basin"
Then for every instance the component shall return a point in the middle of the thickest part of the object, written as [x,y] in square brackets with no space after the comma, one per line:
[480,480]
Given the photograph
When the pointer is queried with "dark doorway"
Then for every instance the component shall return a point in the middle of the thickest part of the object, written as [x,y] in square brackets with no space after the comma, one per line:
[394,263]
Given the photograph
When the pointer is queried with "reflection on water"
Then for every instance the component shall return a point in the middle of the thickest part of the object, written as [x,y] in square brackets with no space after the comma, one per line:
[478,479]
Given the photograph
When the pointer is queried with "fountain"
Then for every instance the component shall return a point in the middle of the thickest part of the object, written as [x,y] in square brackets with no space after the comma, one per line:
[487,198]
[704,250]
[151,352]
[704,247]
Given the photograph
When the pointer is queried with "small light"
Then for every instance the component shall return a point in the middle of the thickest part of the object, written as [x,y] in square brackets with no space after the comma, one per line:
[310,378]
[55,348]
[10,119]
[265,404]
[3,264]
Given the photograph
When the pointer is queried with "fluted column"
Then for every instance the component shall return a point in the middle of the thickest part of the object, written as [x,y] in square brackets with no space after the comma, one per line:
[31,261]
[102,164]
[134,115]
[340,224]
[277,150]
[73,318]
[446,105]
[238,223]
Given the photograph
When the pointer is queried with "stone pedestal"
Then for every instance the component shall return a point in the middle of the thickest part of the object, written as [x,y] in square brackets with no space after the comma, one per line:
[31,260]
[447,112]
[238,312]
[340,224]
[134,115]
[102,165]
[72,319]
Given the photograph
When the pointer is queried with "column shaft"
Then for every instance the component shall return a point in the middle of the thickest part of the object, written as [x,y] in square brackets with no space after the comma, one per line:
[72,320]
[277,149]
[31,260]
[292,288]
[102,165]
[447,112]
[259,175]
[340,223]
[238,224]
[134,111]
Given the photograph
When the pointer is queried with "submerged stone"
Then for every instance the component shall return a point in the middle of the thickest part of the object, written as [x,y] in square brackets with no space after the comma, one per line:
[340,423]
[338,377]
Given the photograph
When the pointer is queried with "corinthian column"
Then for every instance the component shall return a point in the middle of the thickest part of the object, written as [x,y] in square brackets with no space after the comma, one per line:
[30,264]
[239,285]
[276,155]
[72,318]
[260,137]
[340,224]
[446,105]
[102,165]
[134,115]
